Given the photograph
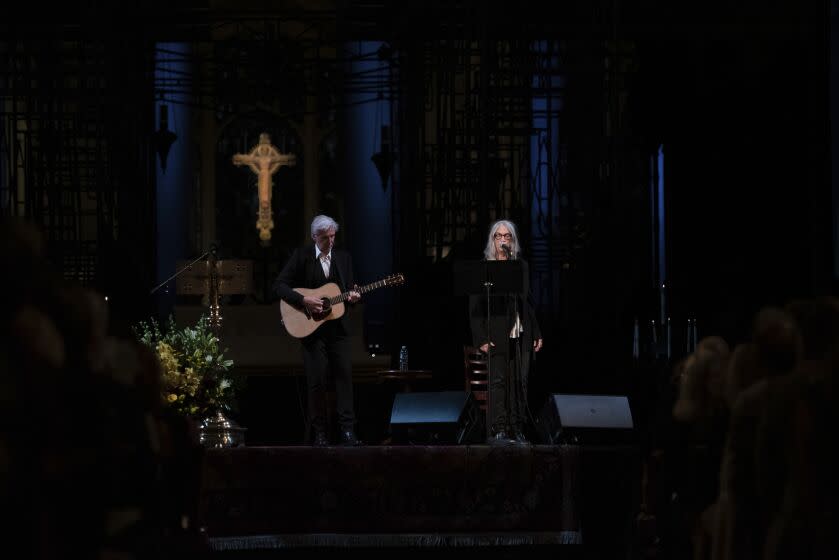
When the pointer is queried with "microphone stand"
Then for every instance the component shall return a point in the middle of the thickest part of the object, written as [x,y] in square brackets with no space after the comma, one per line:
[178,273]
[510,377]
[518,375]
[488,420]
[213,296]
[488,285]
[213,281]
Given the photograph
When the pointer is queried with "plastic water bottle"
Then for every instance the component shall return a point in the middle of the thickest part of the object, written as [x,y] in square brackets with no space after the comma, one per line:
[403,358]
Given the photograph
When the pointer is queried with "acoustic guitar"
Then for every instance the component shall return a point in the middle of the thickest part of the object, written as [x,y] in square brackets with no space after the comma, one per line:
[299,322]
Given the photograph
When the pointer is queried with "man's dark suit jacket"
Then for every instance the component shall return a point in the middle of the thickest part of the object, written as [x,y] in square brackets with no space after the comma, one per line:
[304,271]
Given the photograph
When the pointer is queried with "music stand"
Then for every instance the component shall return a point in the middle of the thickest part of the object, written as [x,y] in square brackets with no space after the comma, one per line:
[489,278]
[214,278]
[235,277]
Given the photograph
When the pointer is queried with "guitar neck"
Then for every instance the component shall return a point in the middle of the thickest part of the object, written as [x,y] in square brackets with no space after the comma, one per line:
[362,290]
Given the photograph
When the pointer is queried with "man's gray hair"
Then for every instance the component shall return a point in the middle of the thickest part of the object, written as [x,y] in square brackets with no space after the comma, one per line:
[323,223]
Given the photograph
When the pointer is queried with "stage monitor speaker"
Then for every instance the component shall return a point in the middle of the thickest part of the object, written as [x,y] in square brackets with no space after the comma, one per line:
[435,418]
[586,419]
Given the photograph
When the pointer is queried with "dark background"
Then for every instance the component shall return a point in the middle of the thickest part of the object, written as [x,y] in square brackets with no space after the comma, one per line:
[737,93]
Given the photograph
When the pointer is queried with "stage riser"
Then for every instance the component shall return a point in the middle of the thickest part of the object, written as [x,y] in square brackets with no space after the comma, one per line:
[417,490]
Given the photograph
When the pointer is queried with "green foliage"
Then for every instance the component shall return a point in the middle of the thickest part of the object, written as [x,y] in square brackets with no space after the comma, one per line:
[197,379]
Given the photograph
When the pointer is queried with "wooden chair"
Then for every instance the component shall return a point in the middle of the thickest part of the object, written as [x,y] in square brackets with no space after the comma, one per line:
[475,374]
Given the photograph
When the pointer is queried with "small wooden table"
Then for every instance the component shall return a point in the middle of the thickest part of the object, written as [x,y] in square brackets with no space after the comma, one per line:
[406,377]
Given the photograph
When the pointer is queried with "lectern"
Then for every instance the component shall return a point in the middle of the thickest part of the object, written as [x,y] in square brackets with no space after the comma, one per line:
[214,278]
[235,277]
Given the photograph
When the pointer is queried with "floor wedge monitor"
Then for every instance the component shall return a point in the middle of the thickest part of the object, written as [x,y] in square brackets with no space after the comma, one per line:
[432,418]
[586,419]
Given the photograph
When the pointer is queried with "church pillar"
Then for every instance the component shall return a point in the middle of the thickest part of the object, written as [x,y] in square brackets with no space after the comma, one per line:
[311,178]
[207,176]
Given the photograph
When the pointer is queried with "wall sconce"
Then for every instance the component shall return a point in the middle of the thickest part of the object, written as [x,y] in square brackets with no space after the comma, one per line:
[384,158]
[163,137]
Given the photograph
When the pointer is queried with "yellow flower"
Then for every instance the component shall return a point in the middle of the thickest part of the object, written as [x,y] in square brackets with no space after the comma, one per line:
[191,364]
[168,358]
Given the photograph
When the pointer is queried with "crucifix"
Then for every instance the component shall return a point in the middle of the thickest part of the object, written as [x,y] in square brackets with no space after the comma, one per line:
[264,160]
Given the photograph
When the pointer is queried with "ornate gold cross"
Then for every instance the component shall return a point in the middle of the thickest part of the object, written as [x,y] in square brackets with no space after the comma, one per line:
[264,160]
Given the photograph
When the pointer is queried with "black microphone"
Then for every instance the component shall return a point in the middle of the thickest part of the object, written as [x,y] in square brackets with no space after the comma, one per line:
[506,249]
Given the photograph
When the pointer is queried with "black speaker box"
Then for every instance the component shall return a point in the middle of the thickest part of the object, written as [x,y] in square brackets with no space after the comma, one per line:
[435,418]
[586,419]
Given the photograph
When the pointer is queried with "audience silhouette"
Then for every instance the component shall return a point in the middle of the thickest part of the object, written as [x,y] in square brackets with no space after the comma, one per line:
[764,414]
[91,464]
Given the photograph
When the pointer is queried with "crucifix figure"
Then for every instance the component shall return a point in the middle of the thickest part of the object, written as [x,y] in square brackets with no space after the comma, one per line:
[264,160]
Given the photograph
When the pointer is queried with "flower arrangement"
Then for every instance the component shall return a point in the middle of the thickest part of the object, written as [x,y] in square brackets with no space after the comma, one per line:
[196,377]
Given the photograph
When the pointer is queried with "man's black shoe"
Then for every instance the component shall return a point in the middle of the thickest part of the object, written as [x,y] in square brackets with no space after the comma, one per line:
[348,438]
[319,439]
[500,438]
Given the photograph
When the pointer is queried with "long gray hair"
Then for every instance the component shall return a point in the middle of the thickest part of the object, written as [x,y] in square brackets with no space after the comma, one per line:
[515,249]
[323,223]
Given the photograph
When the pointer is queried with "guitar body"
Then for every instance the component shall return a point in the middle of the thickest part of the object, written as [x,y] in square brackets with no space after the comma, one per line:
[299,323]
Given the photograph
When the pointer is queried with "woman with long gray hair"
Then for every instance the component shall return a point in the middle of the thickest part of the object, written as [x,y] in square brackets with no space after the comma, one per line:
[506,329]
